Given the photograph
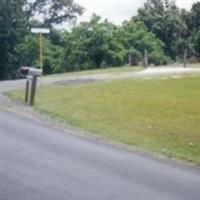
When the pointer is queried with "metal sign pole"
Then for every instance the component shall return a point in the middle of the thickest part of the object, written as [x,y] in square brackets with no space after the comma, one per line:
[41,51]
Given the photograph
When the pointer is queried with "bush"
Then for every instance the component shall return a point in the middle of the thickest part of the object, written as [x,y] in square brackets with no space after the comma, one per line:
[136,56]
[158,58]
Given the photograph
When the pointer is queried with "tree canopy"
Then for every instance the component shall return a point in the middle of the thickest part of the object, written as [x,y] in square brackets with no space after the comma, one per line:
[12,29]
[17,17]
[52,12]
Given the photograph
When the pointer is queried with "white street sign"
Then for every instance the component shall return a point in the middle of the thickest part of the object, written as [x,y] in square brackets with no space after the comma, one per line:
[40,30]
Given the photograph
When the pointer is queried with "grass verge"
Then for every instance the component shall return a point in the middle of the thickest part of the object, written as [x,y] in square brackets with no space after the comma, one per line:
[112,70]
[158,115]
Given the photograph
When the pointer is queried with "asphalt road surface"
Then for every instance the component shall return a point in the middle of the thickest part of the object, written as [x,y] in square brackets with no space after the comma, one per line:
[41,163]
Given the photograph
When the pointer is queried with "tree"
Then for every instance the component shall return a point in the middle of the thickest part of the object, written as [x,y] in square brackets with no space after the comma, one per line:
[17,17]
[165,20]
[136,39]
[12,30]
[196,41]
[29,51]
[194,25]
[53,12]
[92,45]
[195,16]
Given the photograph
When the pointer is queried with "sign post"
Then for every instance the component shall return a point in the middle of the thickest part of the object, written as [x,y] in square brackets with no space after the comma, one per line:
[40,32]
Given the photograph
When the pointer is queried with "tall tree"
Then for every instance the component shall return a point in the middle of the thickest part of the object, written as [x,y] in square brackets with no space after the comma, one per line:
[195,16]
[12,30]
[53,12]
[92,45]
[195,26]
[136,39]
[16,18]
[164,19]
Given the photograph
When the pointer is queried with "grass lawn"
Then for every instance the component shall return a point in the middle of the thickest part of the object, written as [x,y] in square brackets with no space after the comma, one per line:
[112,70]
[197,65]
[190,65]
[158,115]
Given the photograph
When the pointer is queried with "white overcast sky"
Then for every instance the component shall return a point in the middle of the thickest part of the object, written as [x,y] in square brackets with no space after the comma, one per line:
[117,11]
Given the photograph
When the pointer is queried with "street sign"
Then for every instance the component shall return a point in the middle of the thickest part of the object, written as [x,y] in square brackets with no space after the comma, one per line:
[40,30]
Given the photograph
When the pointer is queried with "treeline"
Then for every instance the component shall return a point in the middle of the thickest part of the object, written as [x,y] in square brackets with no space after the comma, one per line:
[160,27]
[92,45]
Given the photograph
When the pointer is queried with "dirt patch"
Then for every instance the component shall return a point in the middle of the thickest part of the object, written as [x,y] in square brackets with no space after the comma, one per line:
[76,81]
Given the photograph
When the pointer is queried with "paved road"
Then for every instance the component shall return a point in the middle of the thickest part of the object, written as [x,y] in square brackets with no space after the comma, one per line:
[41,163]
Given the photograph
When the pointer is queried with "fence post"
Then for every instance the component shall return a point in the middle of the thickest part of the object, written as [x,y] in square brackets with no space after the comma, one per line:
[130,59]
[185,58]
[145,58]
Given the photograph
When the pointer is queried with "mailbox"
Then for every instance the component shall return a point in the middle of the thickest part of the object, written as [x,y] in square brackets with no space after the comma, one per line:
[30,71]
[31,75]
[35,72]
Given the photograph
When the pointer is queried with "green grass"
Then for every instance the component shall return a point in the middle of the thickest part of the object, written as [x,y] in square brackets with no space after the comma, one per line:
[190,65]
[112,70]
[197,65]
[158,115]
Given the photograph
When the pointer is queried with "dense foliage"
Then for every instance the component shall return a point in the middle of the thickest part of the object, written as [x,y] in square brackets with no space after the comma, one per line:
[177,28]
[94,44]
[16,18]
[136,39]
[99,44]
[12,29]
[160,27]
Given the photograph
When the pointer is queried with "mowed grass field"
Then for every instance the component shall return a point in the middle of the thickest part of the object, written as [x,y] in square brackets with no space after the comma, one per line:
[157,115]
[111,70]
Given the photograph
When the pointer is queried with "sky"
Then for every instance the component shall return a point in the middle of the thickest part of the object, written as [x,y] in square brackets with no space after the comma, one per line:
[117,11]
